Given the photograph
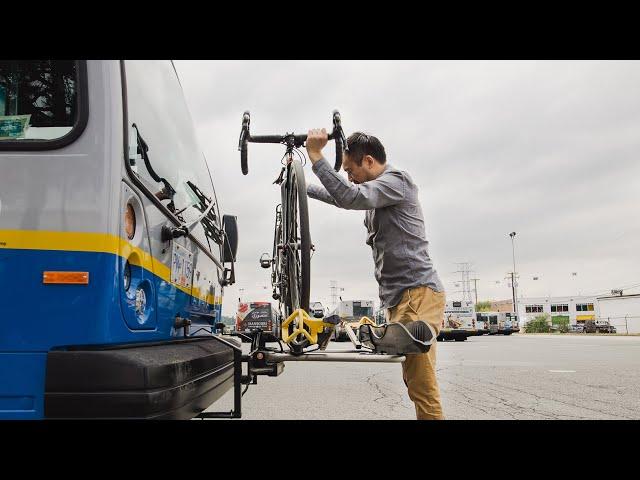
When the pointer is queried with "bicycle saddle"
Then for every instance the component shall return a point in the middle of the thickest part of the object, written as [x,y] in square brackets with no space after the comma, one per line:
[398,339]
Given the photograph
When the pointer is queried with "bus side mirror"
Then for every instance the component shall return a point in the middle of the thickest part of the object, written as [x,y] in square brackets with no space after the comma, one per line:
[230,244]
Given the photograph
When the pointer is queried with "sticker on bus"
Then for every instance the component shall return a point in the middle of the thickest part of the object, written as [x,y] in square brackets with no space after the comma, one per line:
[181,266]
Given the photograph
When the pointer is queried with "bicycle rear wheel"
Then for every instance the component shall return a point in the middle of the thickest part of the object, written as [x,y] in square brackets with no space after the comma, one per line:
[297,240]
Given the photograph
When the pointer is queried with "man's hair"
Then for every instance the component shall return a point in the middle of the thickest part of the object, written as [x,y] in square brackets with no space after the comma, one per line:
[361,144]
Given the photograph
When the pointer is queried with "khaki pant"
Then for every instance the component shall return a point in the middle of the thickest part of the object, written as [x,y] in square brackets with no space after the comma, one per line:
[419,370]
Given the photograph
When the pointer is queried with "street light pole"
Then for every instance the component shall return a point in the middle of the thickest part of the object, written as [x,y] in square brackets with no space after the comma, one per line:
[513,275]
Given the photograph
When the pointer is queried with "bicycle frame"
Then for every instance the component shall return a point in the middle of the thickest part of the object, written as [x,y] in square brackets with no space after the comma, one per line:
[290,260]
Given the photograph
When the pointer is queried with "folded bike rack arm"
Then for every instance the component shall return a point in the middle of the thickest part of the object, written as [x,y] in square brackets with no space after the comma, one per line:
[334,356]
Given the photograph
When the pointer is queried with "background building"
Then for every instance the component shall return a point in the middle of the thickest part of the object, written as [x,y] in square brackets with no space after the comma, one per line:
[622,311]
[577,309]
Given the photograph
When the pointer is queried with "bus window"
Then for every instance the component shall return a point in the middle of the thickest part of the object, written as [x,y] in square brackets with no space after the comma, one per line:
[38,100]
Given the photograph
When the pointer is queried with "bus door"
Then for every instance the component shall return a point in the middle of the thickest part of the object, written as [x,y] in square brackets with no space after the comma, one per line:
[164,163]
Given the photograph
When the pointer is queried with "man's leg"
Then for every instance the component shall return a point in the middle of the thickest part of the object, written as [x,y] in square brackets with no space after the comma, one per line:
[419,370]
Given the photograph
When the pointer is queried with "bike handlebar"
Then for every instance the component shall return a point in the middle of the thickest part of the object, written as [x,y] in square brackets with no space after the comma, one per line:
[290,140]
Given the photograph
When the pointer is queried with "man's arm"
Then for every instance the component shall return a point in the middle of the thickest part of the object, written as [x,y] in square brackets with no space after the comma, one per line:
[388,189]
[319,193]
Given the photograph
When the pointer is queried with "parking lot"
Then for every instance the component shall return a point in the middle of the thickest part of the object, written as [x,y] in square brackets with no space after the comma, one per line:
[489,377]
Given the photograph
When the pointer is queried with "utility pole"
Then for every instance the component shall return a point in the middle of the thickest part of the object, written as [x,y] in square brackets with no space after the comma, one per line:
[333,288]
[513,275]
[475,288]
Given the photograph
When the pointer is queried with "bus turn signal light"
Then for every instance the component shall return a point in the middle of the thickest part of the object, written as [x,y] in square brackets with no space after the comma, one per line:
[72,278]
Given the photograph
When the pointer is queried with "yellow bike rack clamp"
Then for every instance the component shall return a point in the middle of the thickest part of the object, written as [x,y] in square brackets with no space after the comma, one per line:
[315,326]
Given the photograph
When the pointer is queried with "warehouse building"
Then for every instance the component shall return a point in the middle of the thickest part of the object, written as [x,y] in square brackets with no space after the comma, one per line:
[575,309]
[622,311]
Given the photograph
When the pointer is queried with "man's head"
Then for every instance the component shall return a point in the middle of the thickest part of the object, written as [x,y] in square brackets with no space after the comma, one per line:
[366,158]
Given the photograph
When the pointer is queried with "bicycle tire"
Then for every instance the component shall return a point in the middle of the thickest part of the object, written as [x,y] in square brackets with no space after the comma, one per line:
[298,289]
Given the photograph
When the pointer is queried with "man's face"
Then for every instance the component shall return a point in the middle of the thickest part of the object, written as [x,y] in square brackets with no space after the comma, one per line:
[356,173]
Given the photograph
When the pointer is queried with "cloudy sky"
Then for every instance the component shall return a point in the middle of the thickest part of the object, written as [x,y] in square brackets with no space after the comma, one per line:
[550,150]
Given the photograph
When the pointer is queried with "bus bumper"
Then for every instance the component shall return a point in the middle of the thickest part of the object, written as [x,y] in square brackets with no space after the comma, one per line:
[172,380]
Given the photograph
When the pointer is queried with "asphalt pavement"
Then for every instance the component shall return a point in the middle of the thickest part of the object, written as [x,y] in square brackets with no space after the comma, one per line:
[489,377]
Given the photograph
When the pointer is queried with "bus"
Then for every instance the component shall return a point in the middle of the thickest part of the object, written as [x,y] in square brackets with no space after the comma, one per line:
[493,323]
[483,322]
[258,315]
[459,321]
[113,251]
[351,311]
[507,323]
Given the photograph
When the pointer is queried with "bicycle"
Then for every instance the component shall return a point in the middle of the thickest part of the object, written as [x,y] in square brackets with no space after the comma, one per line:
[291,255]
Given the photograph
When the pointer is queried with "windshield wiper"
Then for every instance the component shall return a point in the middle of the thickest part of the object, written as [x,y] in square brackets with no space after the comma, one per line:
[208,219]
[167,192]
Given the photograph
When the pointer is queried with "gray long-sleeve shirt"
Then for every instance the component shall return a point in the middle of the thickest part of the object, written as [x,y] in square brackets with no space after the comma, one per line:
[395,227]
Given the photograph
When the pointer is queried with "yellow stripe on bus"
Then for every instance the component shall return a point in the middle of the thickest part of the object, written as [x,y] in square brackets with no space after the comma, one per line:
[87,242]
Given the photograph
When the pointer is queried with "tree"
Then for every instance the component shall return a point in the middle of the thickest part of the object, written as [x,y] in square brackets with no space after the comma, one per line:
[484,306]
[540,324]
[44,89]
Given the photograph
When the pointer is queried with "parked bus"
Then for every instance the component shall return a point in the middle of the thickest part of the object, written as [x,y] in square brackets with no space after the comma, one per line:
[488,322]
[113,251]
[482,323]
[459,321]
[259,315]
[507,323]
[351,311]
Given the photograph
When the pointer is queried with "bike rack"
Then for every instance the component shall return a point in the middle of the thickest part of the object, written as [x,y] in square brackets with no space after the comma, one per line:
[263,360]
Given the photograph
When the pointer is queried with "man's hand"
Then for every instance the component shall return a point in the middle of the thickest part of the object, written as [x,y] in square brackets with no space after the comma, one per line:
[316,140]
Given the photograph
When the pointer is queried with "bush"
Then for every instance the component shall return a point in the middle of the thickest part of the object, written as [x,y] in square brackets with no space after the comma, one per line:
[540,324]
[560,323]
[483,306]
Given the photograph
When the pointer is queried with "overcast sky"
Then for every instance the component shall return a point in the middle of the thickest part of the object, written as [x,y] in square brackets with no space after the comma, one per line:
[549,150]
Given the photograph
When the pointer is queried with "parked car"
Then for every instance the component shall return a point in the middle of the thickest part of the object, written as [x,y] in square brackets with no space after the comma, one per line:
[603,326]
[590,326]
[578,328]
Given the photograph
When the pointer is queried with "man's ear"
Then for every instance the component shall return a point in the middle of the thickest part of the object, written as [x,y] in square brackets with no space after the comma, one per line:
[369,161]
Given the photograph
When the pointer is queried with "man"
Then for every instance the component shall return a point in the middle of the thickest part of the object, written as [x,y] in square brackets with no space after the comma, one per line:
[409,286]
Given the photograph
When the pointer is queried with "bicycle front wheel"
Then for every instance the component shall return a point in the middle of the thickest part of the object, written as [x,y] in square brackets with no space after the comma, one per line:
[297,240]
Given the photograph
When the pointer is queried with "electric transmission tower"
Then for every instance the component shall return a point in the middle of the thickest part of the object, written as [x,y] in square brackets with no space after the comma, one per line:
[464,269]
[333,288]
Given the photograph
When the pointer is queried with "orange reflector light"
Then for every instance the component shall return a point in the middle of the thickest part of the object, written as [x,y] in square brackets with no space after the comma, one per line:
[72,278]
[130,221]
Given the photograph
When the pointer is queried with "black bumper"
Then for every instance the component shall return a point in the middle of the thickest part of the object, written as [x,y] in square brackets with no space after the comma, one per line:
[172,380]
